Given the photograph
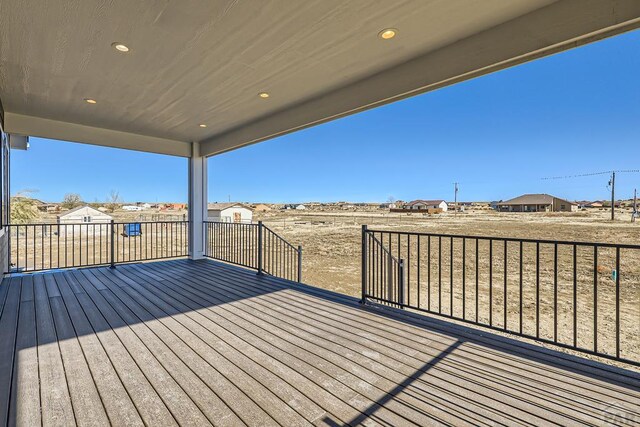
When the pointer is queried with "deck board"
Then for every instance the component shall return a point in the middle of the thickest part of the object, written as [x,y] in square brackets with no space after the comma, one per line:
[182,342]
[117,403]
[491,380]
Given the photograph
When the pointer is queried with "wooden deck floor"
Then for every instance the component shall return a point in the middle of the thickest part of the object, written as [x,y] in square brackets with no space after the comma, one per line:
[197,343]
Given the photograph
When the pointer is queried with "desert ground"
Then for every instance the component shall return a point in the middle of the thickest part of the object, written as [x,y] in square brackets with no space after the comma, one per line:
[332,255]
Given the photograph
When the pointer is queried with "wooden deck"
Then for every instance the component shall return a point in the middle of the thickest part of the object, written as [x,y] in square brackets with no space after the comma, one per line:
[197,343]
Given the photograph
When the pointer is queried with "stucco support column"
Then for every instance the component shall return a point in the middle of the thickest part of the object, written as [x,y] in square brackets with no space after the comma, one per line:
[197,202]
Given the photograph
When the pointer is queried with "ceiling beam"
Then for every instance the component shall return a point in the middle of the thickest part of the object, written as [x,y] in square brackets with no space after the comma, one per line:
[64,131]
[560,26]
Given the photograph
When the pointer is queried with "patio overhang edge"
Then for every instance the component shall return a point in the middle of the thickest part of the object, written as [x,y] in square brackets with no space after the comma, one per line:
[73,132]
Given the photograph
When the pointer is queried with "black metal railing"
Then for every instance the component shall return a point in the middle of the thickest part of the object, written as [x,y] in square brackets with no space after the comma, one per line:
[36,247]
[385,277]
[254,246]
[579,295]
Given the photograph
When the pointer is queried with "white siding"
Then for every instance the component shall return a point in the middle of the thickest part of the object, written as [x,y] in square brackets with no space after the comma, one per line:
[231,214]
[84,215]
[92,221]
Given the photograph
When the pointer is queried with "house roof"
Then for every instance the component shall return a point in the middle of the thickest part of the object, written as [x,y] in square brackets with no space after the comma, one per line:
[79,208]
[209,60]
[533,199]
[223,206]
[424,202]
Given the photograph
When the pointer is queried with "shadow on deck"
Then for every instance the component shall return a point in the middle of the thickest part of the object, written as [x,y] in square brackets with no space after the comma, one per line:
[200,342]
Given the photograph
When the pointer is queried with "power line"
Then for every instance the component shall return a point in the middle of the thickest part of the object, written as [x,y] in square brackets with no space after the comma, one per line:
[592,174]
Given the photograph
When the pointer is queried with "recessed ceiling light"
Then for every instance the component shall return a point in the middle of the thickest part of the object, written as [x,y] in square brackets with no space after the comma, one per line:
[202,125]
[120,47]
[388,33]
[90,101]
[263,95]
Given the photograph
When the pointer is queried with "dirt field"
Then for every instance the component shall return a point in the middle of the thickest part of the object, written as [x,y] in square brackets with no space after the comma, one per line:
[331,259]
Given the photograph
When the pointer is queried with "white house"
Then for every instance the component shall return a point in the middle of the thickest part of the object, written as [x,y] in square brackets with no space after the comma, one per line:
[132,208]
[420,205]
[84,214]
[229,212]
[83,220]
[301,207]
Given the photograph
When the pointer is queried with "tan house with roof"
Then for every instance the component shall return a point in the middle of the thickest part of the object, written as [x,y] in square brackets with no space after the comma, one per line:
[537,203]
[229,212]
[423,205]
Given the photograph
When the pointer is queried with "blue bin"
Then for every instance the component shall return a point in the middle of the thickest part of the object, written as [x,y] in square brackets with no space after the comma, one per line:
[133,229]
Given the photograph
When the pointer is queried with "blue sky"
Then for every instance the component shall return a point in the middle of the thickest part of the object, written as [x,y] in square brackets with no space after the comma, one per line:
[498,135]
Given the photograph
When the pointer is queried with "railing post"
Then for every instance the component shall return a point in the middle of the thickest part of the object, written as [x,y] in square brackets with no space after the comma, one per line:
[401,283]
[299,263]
[363,298]
[113,246]
[260,247]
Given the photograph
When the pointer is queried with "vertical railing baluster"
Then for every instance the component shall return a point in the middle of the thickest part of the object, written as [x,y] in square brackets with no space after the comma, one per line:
[451,277]
[418,271]
[490,282]
[113,246]
[595,298]
[401,274]
[555,292]
[408,268]
[618,302]
[42,228]
[520,283]
[260,243]
[537,289]
[477,279]
[299,264]
[575,296]
[464,278]
[429,273]
[504,291]
[364,246]
[439,274]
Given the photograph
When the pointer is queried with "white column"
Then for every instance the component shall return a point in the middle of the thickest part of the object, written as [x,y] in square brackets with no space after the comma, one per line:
[197,202]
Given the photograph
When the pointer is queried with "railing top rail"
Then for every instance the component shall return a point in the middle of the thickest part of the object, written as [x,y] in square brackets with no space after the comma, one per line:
[146,222]
[38,224]
[508,239]
[230,223]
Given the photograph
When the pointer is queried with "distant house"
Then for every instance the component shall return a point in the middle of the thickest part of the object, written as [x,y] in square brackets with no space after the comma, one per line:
[229,212]
[425,205]
[537,203]
[83,220]
[174,206]
[301,207]
[84,214]
[131,208]
[49,207]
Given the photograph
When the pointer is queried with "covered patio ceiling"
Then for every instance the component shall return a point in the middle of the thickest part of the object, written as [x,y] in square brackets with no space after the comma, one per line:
[195,68]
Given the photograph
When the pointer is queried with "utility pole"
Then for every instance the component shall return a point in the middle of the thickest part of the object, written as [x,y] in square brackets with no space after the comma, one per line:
[455,199]
[635,206]
[612,183]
